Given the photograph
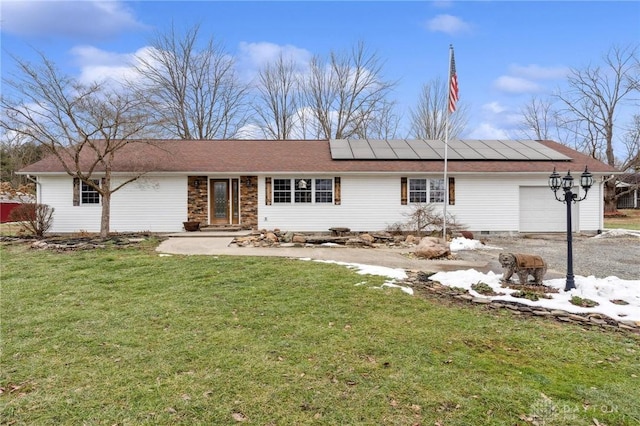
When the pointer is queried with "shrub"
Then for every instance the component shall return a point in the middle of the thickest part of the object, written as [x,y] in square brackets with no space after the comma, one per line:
[423,218]
[36,218]
[484,289]
[585,303]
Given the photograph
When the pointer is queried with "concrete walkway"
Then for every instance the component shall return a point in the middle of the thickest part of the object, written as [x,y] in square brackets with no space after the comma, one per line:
[219,244]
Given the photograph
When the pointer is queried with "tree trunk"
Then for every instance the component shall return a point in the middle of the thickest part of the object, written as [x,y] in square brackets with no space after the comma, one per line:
[106,215]
[610,200]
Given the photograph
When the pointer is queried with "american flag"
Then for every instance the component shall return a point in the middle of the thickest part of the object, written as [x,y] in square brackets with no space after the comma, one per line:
[453,84]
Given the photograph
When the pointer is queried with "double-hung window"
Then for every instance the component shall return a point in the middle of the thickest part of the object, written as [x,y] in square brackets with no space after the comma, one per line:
[282,190]
[302,191]
[88,194]
[426,190]
[324,191]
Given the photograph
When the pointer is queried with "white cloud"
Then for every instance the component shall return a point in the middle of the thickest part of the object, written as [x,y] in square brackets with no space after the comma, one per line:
[253,56]
[537,72]
[515,85]
[92,19]
[494,108]
[98,65]
[488,131]
[261,53]
[448,24]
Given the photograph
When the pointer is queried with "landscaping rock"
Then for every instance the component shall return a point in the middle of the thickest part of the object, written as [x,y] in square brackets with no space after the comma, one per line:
[431,248]
[298,239]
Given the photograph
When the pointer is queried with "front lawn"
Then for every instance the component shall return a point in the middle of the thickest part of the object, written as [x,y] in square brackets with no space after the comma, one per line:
[629,220]
[126,336]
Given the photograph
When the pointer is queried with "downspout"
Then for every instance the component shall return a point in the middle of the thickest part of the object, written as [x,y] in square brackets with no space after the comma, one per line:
[38,189]
[601,206]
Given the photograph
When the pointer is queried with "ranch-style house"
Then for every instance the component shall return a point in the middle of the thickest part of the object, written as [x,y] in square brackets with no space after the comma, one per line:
[314,185]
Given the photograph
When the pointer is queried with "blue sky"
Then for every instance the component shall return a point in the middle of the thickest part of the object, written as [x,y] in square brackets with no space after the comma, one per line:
[506,51]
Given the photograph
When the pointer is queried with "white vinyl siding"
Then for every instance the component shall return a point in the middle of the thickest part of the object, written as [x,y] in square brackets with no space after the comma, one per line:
[153,203]
[367,202]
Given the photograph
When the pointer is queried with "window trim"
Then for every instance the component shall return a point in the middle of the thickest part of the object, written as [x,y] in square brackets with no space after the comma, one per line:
[428,192]
[298,196]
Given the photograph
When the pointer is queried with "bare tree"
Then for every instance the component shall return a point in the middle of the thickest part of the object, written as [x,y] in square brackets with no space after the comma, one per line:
[632,165]
[382,124]
[428,119]
[193,93]
[592,102]
[83,126]
[346,92]
[632,146]
[539,119]
[278,99]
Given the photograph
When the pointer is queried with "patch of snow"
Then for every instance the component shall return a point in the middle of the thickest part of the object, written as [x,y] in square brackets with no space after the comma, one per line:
[392,273]
[612,233]
[462,243]
[601,290]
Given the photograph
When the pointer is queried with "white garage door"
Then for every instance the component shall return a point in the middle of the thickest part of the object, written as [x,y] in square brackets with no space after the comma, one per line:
[541,212]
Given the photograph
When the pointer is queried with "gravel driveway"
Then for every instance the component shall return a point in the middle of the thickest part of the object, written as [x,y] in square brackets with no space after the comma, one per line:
[602,256]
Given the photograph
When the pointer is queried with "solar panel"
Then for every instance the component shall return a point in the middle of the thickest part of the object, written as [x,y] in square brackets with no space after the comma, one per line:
[457,149]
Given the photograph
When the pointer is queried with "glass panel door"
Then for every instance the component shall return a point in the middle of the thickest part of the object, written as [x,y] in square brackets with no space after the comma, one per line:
[220,205]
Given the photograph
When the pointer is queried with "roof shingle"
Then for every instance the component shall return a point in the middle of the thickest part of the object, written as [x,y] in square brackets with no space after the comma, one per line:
[288,156]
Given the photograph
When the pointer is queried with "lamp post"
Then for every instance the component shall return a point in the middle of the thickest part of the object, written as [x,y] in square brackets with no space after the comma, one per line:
[566,183]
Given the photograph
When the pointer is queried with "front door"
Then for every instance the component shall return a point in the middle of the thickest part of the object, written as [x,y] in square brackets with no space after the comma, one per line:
[220,202]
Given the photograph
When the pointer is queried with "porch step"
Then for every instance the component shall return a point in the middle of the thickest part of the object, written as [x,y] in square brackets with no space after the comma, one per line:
[220,228]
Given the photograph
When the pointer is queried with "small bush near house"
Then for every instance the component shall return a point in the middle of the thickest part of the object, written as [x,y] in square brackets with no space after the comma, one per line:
[423,219]
[36,218]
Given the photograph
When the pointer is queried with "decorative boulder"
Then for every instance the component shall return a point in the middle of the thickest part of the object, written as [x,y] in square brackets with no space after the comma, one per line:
[298,239]
[368,238]
[287,237]
[431,248]
[410,239]
[468,235]
[271,237]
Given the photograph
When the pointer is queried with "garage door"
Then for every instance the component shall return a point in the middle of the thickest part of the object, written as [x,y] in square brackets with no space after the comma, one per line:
[541,212]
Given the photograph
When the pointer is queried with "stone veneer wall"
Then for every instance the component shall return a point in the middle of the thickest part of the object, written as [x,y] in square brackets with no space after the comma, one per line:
[197,199]
[249,201]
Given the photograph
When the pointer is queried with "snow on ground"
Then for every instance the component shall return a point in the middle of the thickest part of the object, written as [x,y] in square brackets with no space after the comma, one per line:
[601,290]
[611,233]
[393,273]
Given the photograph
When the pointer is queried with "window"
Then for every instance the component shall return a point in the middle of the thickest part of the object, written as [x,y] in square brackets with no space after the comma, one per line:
[302,190]
[281,190]
[436,190]
[417,190]
[426,190]
[324,191]
[88,194]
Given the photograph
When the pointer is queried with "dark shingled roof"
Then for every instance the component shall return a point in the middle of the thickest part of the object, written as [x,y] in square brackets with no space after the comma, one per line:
[309,156]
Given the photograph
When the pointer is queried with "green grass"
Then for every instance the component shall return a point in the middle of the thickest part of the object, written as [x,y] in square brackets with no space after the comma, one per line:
[630,220]
[124,336]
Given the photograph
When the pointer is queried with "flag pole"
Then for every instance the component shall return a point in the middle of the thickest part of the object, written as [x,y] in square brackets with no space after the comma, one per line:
[446,148]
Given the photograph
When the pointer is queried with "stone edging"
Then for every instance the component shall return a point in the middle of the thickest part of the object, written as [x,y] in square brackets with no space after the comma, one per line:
[585,319]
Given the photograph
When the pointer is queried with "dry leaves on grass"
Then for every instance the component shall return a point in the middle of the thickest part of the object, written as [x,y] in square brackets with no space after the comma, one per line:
[239,417]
